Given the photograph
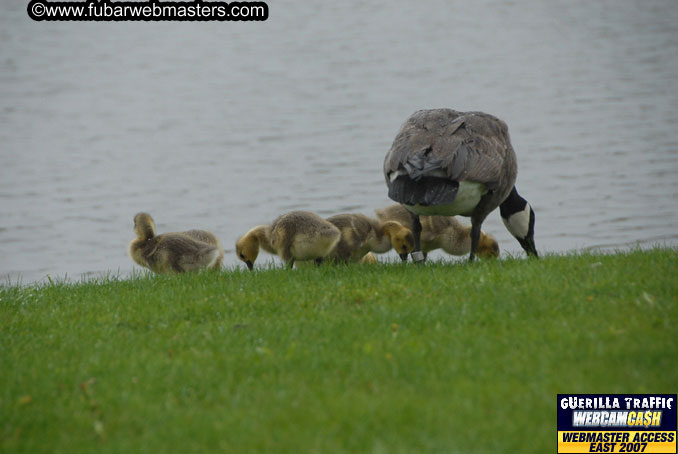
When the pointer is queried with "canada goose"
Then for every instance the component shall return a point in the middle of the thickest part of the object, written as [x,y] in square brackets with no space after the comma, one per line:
[444,162]
[173,252]
[442,232]
[360,235]
[298,235]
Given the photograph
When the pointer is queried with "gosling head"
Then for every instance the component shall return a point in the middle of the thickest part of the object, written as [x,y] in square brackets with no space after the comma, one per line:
[402,241]
[487,246]
[144,226]
[247,249]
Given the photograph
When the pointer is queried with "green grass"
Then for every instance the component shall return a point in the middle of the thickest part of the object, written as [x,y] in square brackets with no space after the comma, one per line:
[464,358]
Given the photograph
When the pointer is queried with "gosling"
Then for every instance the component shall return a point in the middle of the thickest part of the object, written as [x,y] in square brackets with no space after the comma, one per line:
[361,234]
[442,232]
[298,235]
[173,252]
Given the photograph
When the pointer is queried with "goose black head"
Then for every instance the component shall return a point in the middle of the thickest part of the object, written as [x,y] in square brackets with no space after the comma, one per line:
[518,217]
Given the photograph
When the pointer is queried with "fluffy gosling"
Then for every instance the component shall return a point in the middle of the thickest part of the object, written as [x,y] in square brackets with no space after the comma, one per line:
[298,235]
[173,252]
[361,234]
[442,232]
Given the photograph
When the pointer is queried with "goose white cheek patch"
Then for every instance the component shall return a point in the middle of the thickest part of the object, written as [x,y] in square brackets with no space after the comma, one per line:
[519,223]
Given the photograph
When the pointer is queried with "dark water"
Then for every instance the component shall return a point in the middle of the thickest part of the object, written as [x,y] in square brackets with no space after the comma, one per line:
[226,125]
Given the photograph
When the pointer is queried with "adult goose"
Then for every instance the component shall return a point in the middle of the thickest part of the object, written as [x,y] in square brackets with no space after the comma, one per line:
[446,163]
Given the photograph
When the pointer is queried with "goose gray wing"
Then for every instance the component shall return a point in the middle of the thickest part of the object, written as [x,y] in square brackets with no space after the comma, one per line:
[459,146]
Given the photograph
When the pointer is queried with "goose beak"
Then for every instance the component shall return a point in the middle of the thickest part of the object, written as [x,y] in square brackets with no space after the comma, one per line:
[403,257]
[250,265]
[528,245]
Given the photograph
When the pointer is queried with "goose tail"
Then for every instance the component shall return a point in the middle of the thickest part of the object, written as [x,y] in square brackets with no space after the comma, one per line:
[426,191]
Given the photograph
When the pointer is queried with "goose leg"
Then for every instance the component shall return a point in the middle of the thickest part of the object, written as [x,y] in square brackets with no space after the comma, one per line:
[417,255]
[318,261]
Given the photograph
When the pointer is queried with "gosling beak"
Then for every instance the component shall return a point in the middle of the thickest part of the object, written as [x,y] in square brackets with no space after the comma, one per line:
[250,265]
[403,257]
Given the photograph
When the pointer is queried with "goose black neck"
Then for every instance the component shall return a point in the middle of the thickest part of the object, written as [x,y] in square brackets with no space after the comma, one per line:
[518,217]
[514,203]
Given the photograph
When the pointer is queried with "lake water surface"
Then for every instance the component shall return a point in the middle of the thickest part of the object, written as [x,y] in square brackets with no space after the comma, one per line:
[226,125]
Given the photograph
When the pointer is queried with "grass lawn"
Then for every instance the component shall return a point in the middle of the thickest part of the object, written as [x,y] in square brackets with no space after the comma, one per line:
[454,358]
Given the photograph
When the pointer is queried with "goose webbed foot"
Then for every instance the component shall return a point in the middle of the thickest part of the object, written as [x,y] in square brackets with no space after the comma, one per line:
[418,257]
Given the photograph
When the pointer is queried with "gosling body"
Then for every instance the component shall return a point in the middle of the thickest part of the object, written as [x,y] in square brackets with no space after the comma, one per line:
[207,237]
[361,235]
[442,232]
[298,235]
[175,251]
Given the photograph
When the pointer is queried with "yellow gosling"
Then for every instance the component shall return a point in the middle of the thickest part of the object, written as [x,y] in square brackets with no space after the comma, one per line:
[173,252]
[443,232]
[361,234]
[247,247]
[298,235]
